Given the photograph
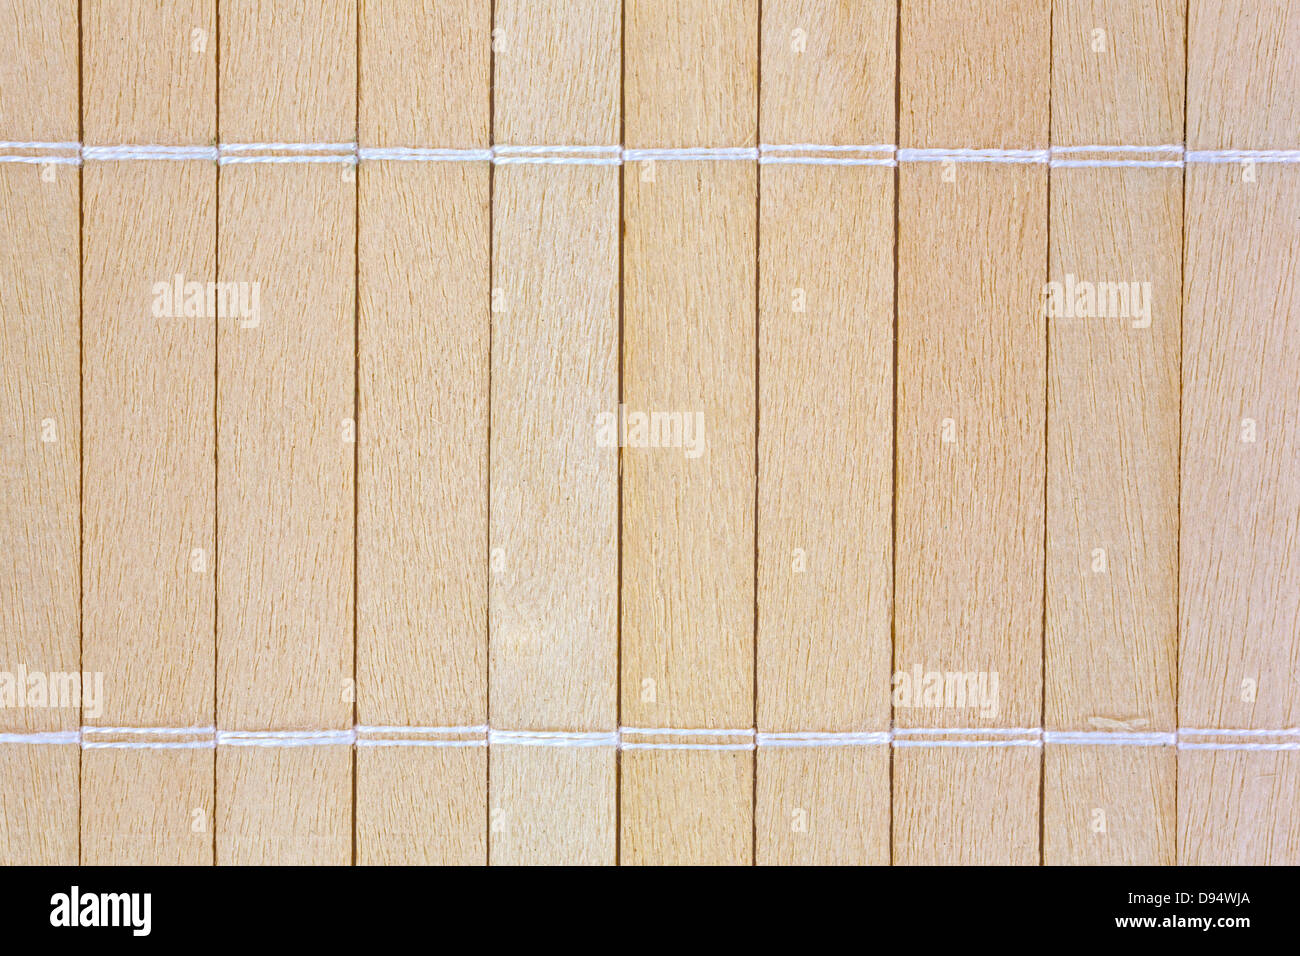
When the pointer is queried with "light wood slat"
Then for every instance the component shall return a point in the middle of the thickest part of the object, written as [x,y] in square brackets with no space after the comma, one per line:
[286,395]
[555,340]
[689,347]
[1239,608]
[972,255]
[826,396]
[40,433]
[422,461]
[1113,409]
[150,376]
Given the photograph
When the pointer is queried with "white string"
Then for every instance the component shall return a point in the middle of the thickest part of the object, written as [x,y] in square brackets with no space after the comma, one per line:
[480,735]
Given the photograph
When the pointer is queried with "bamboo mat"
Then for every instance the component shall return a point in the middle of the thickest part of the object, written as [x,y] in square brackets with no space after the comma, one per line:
[657,431]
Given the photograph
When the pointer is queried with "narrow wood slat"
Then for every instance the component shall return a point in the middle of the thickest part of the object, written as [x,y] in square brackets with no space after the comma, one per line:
[286,444]
[423,430]
[40,456]
[689,348]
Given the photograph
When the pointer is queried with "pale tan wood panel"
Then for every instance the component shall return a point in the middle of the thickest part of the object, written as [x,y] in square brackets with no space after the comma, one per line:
[969,508]
[149,71]
[39,804]
[555,339]
[554,588]
[39,426]
[822,806]
[690,73]
[687,808]
[149,330]
[421,806]
[966,806]
[555,382]
[1239,608]
[689,349]
[1241,74]
[1238,808]
[553,805]
[557,72]
[973,73]
[286,434]
[147,807]
[425,75]
[149,338]
[826,395]
[688,508]
[423,286]
[971,350]
[1108,806]
[1113,409]
[828,72]
[288,71]
[288,806]
[1117,72]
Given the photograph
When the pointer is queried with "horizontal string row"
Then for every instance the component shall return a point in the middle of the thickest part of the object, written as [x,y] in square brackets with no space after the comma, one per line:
[653,738]
[805,154]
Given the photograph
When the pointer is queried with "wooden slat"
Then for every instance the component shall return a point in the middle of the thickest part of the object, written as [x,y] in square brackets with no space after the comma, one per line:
[149,370]
[972,254]
[555,338]
[423,430]
[285,396]
[826,396]
[1239,608]
[689,346]
[40,430]
[1112,456]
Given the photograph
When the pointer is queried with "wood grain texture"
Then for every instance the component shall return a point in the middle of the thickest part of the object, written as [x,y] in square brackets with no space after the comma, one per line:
[148,403]
[1108,806]
[822,806]
[555,341]
[40,431]
[423,280]
[286,440]
[966,806]
[957,53]
[689,345]
[690,73]
[969,509]
[149,71]
[147,808]
[1240,507]
[826,396]
[553,805]
[425,73]
[1240,77]
[1124,85]
[1112,455]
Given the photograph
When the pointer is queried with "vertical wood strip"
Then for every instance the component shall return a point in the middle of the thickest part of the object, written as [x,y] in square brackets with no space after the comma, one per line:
[825,466]
[423,429]
[1112,457]
[40,434]
[689,348]
[554,583]
[286,409]
[1239,607]
[149,337]
[972,252]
